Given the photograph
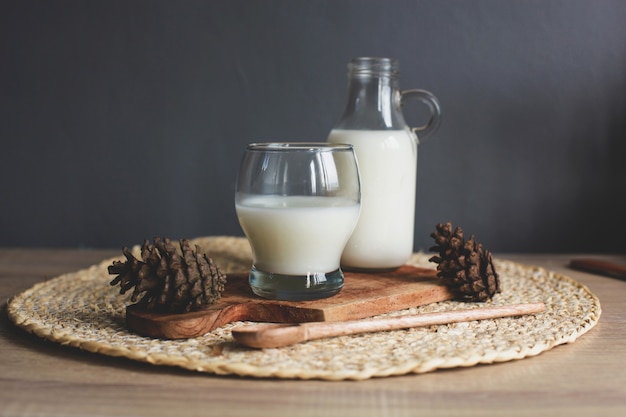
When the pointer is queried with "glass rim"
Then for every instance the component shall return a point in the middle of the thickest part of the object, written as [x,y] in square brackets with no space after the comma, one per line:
[367,66]
[374,60]
[298,146]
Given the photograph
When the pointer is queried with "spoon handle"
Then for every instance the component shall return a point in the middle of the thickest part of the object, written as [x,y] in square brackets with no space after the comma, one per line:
[266,336]
[327,329]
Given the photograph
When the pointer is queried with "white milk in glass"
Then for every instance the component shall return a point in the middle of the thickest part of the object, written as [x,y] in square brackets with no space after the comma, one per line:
[383,237]
[297,235]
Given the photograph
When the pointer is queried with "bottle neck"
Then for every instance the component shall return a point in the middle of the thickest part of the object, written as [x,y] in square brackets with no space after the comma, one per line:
[373,96]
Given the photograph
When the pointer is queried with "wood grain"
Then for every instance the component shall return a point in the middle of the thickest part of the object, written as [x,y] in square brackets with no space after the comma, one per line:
[363,295]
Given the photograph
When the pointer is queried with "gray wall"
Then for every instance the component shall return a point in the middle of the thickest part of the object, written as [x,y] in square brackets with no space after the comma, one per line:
[123,120]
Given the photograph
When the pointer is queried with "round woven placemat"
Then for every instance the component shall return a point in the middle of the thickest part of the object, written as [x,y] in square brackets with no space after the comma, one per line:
[81,309]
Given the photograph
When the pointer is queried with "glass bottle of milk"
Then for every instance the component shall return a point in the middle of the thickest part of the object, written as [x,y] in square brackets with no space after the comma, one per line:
[386,151]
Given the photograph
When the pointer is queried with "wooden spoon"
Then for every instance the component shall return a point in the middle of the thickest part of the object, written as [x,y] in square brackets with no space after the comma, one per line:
[272,335]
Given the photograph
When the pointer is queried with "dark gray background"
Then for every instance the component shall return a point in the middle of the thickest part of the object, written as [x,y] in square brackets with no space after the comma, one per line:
[124,120]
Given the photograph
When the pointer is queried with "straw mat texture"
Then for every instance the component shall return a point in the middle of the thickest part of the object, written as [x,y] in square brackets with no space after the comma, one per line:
[81,309]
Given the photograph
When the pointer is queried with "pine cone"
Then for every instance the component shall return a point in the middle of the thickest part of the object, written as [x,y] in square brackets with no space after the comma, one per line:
[173,281]
[463,265]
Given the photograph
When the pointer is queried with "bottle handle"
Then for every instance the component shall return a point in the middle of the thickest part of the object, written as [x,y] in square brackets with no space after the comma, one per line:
[431,101]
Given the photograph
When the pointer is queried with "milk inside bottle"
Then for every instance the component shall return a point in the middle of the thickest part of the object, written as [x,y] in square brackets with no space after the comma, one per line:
[383,237]
[386,152]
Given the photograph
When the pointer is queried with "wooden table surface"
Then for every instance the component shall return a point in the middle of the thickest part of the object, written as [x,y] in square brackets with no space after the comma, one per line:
[38,377]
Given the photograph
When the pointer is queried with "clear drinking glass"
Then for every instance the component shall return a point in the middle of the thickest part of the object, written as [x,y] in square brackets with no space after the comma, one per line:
[297,203]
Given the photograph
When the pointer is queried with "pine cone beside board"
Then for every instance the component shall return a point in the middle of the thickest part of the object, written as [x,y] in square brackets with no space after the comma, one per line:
[463,265]
[171,281]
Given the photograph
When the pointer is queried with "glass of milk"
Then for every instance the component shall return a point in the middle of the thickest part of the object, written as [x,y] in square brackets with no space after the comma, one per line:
[298,204]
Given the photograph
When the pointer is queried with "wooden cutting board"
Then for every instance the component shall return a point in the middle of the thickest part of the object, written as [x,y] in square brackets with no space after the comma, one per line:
[363,295]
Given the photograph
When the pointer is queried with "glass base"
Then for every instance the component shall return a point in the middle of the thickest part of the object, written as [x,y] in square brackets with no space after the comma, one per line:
[295,287]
